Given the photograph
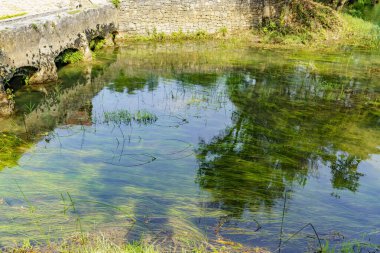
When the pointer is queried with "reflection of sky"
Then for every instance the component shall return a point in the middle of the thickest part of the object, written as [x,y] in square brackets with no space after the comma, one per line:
[172,103]
[339,210]
[97,163]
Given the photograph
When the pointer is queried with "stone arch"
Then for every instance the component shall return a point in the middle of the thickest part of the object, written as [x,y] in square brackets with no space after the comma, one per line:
[11,81]
[20,77]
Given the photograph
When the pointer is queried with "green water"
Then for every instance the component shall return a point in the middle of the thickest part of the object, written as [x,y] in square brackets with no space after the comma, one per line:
[194,141]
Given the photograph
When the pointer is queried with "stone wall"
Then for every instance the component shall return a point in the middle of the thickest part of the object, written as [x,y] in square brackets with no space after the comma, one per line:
[145,16]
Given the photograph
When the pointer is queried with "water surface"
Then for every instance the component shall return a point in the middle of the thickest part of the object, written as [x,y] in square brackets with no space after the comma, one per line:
[186,140]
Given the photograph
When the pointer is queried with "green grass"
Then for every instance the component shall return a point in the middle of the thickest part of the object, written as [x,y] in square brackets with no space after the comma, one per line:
[70,57]
[359,33]
[12,15]
[177,36]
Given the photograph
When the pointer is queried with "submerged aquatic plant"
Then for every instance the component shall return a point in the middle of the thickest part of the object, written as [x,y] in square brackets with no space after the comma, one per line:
[125,117]
[145,117]
[11,149]
[118,117]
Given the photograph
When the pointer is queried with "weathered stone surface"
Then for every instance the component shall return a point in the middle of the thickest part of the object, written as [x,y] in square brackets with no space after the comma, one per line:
[30,7]
[146,16]
[6,105]
[36,43]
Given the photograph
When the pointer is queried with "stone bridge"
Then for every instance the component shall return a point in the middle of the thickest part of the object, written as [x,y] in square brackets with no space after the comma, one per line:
[31,44]
[34,43]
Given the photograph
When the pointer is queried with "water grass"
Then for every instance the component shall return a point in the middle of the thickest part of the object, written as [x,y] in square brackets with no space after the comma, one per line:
[145,117]
[142,117]
[104,242]
[351,246]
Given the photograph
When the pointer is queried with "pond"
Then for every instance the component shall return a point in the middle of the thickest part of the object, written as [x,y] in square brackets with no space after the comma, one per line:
[193,141]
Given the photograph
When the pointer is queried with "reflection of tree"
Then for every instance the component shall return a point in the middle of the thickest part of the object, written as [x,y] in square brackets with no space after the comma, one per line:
[280,132]
[344,172]
[132,83]
[204,79]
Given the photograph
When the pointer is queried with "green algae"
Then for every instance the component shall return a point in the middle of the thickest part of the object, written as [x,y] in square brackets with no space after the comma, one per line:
[11,149]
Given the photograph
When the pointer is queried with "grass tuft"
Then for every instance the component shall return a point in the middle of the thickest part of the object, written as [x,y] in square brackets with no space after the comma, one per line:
[125,117]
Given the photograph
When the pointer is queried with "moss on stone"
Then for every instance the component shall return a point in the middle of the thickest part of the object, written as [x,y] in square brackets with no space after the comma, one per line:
[70,56]
[13,15]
